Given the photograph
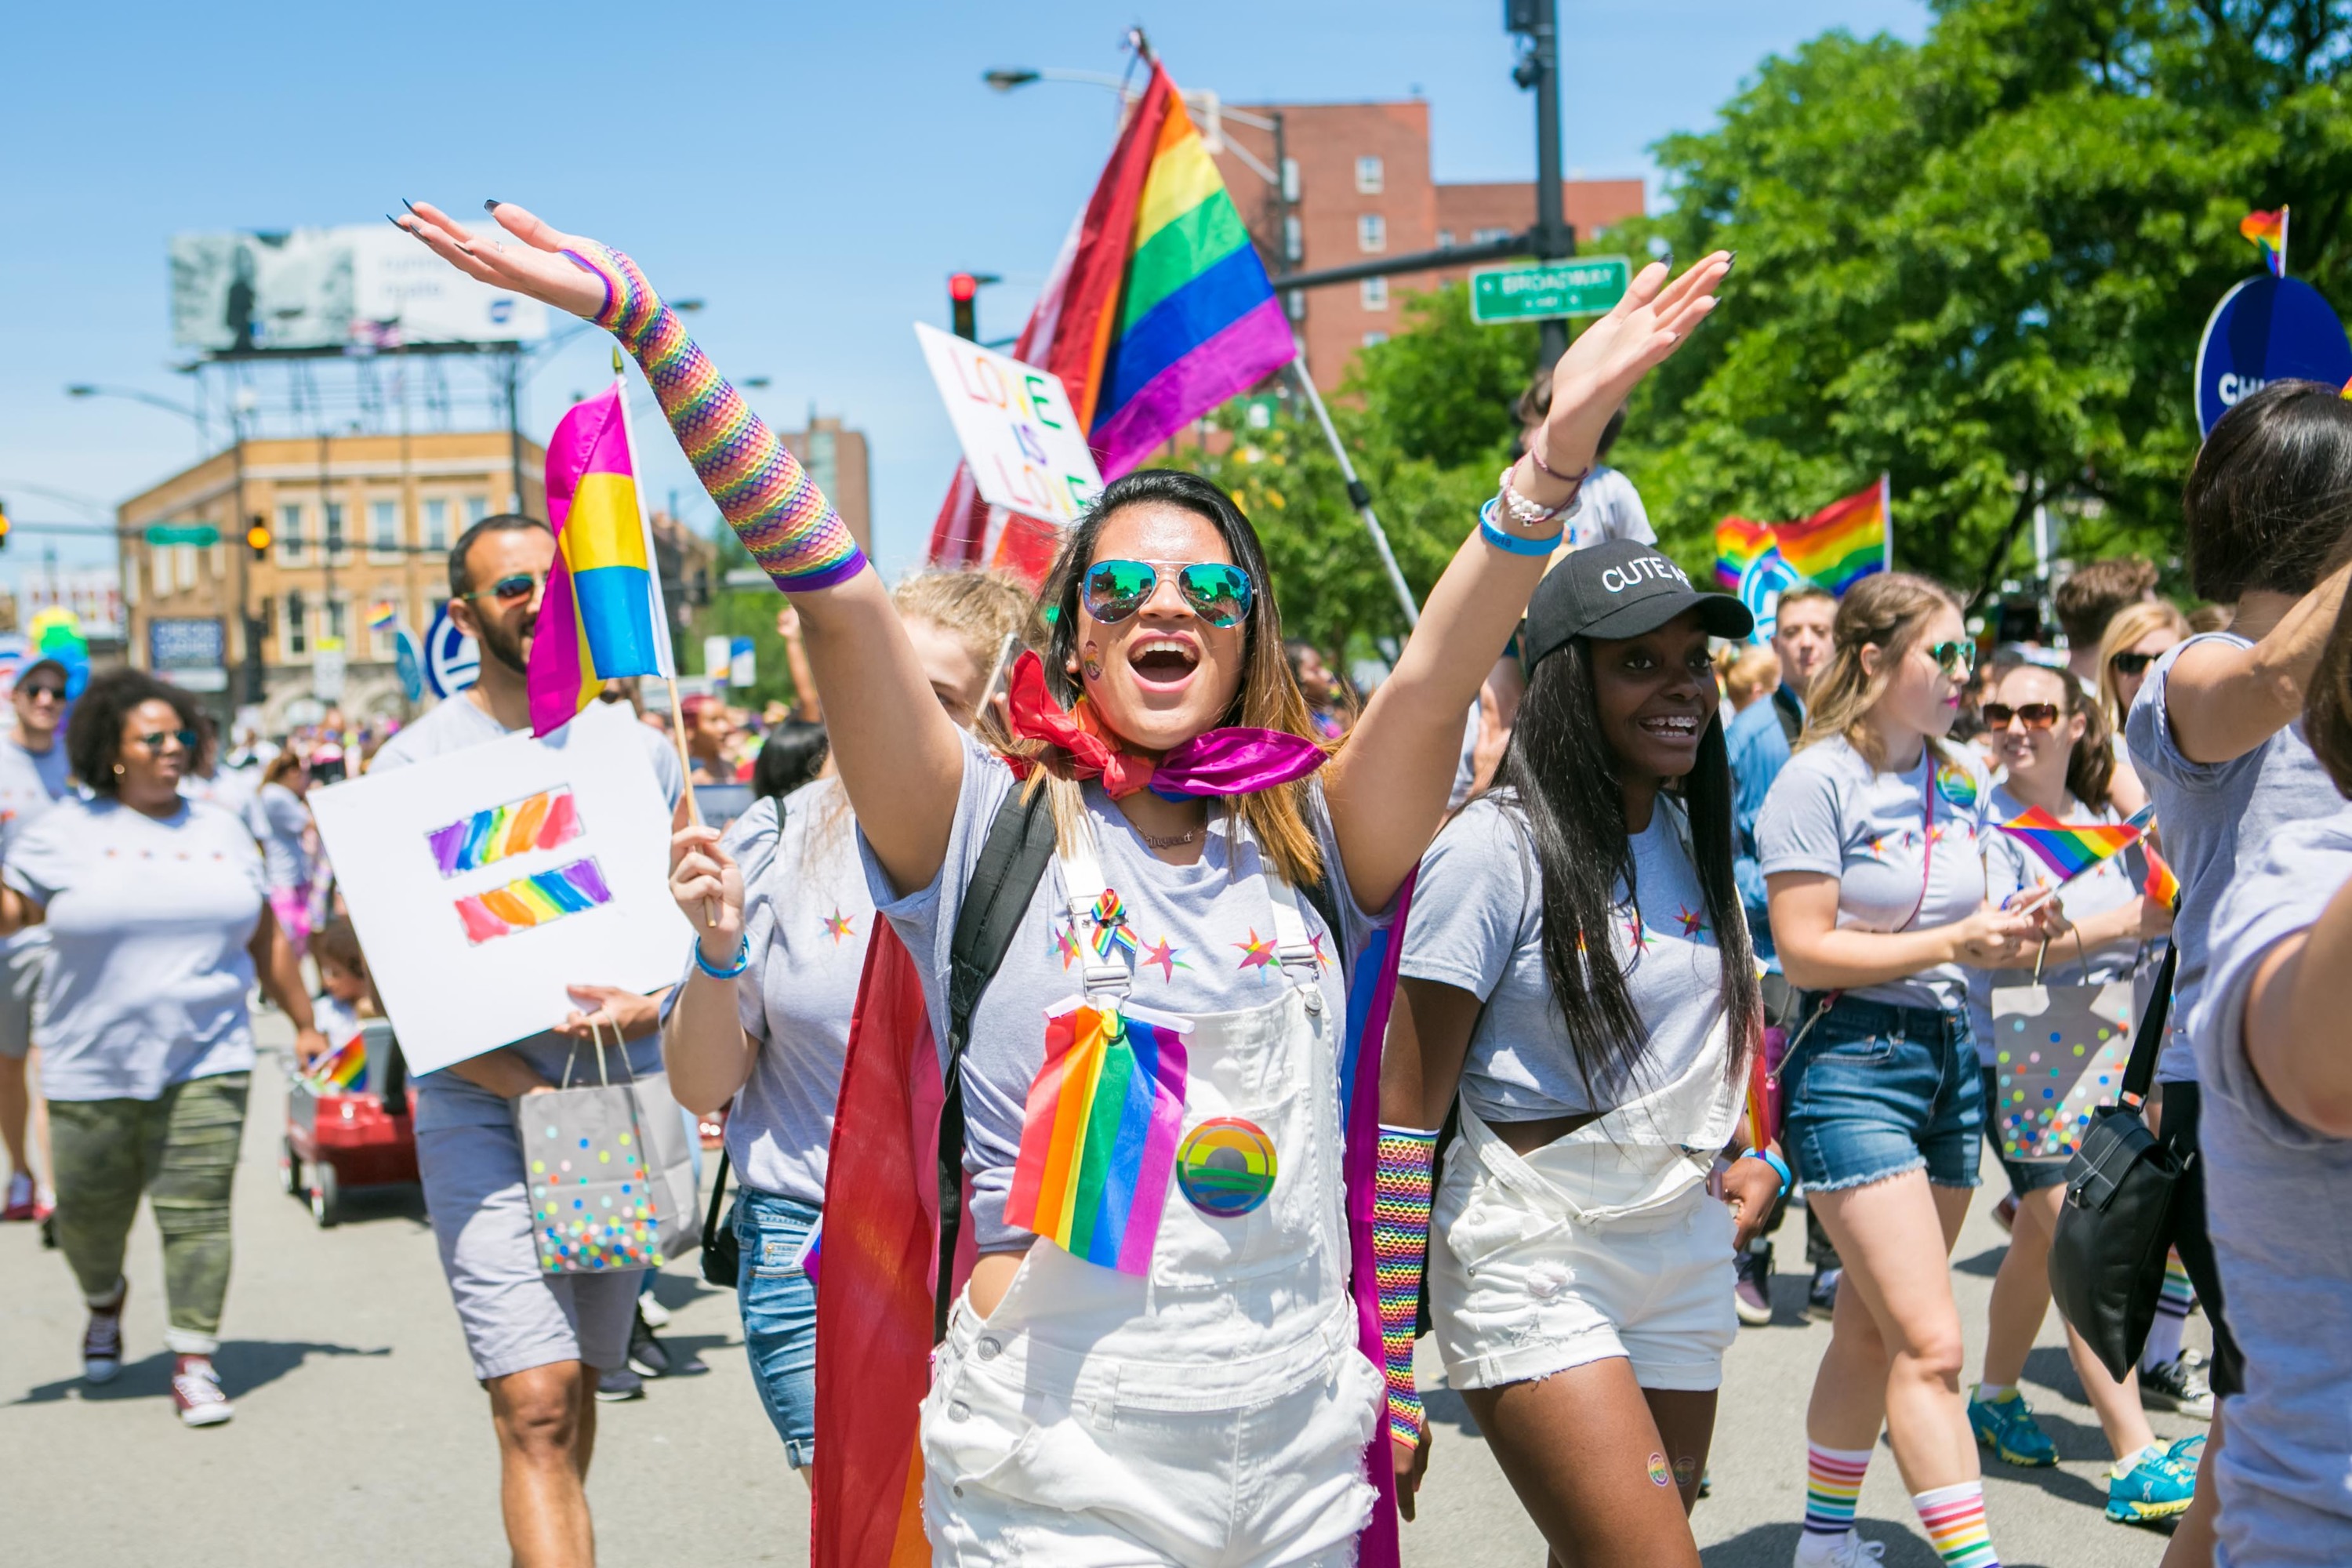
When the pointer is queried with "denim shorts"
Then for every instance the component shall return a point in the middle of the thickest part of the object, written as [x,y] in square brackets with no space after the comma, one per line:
[2024,1175]
[1874,1091]
[779,1306]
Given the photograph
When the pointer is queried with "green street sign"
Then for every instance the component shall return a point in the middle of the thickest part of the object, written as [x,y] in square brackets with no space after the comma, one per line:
[1538,290]
[183,533]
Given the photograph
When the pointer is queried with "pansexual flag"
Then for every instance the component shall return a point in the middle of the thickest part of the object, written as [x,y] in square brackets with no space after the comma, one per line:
[2069,849]
[2268,230]
[602,618]
[1157,310]
[1098,1137]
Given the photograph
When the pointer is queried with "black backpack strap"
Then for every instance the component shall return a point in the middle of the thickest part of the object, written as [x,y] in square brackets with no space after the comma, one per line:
[1012,863]
[2146,1044]
[1784,707]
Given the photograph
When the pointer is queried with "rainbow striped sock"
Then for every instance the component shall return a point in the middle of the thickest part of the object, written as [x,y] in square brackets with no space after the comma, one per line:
[2178,1295]
[1832,1486]
[2173,1304]
[782,519]
[1955,1518]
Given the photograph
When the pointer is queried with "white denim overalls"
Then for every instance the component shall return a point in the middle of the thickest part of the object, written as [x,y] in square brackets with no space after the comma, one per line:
[1213,1412]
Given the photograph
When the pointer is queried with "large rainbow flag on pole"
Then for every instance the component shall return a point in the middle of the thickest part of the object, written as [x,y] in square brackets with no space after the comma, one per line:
[1157,310]
[602,619]
[1836,547]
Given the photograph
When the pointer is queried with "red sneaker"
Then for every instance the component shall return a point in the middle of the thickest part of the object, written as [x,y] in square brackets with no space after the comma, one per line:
[101,1340]
[196,1391]
[21,1198]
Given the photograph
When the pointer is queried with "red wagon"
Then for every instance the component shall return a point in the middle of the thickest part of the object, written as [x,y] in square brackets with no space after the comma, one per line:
[358,1136]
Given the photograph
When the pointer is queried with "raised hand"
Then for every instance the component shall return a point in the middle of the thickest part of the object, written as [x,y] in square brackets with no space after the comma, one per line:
[1601,368]
[531,262]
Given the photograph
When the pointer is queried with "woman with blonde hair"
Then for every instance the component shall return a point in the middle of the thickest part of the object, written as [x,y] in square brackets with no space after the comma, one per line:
[1870,856]
[771,1042]
[2135,639]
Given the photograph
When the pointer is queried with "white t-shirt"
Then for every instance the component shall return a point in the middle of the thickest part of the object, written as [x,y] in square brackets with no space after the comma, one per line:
[30,784]
[1612,510]
[1480,930]
[1829,811]
[149,922]
[443,1098]
[279,819]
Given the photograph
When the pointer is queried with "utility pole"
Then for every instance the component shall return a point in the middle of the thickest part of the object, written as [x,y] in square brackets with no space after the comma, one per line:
[1538,22]
[513,357]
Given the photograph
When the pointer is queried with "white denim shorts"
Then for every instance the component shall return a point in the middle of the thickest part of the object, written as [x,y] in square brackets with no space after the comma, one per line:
[1535,1264]
[1036,1454]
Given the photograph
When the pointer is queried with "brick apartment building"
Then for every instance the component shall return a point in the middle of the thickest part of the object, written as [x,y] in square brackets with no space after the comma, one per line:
[1361,187]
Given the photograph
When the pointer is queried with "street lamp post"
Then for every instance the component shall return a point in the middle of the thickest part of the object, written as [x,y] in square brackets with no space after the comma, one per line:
[1538,22]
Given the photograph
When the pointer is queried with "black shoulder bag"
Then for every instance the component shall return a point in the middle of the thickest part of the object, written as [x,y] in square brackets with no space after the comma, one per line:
[2106,1260]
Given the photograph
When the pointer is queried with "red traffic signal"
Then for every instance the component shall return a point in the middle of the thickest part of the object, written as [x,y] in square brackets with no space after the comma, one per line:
[962,286]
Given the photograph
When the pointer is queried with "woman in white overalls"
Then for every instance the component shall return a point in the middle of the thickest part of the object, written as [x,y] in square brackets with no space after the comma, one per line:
[1592,993]
[1173,1376]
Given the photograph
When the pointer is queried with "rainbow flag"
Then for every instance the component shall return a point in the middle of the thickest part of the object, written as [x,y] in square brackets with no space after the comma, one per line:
[602,618]
[2069,849]
[1099,1138]
[2160,884]
[1157,310]
[382,615]
[340,1068]
[1738,545]
[2268,230]
[1844,541]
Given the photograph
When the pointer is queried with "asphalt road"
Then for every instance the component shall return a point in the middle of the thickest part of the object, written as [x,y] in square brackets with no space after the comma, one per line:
[361,1437]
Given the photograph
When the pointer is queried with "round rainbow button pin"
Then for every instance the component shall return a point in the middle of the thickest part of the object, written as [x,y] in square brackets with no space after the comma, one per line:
[1225,1167]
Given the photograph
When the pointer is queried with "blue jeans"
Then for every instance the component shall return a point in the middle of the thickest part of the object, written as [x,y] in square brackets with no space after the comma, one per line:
[1874,1091]
[779,1307]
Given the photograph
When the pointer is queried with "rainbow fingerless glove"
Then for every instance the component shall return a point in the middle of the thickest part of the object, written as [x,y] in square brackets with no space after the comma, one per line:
[1402,1180]
[782,519]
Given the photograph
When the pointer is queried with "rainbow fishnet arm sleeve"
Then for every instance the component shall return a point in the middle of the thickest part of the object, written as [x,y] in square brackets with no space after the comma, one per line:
[1400,1199]
[782,519]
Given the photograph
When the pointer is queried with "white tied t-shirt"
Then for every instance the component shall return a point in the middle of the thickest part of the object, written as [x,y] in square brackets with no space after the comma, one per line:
[1829,811]
[149,924]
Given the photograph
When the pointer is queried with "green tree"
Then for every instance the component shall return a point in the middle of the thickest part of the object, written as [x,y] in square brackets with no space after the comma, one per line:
[1982,265]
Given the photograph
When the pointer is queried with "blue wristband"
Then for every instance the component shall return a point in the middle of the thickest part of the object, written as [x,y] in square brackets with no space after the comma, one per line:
[1779,1166]
[1512,542]
[742,960]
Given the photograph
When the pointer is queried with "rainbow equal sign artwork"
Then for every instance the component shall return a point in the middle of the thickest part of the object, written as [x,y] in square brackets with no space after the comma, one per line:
[542,821]
[537,900]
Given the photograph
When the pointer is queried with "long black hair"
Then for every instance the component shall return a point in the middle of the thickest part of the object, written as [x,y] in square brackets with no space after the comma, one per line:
[1564,773]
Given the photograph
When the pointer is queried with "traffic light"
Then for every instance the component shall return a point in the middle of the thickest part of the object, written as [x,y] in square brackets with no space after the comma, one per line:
[963,290]
[3,525]
[256,539]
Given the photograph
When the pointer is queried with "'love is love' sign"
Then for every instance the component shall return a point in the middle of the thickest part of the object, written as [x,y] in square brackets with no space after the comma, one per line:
[1017,429]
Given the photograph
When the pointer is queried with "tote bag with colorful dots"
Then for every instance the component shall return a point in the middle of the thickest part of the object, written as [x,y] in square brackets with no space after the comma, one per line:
[609,1190]
[2058,1054]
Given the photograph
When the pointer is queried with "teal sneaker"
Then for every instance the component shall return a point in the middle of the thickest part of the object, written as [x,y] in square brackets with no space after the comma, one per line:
[2188,1453]
[2155,1491]
[2007,1426]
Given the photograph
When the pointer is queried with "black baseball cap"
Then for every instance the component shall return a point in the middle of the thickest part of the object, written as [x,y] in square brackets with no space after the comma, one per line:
[1620,589]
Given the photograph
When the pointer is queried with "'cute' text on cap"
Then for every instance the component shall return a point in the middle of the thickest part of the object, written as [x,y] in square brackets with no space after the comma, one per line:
[1639,570]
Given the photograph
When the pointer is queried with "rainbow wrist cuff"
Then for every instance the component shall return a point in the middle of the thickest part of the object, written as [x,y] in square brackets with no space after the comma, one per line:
[782,519]
[1401,1181]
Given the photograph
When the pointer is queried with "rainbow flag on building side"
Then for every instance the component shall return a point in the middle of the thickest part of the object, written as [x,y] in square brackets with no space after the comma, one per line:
[1157,310]
[603,618]
[2268,230]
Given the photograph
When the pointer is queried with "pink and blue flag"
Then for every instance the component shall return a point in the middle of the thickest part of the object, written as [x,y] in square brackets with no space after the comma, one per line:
[602,619]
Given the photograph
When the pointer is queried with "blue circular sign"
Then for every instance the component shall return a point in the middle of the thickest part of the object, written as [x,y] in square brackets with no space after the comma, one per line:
[451,660]
[405,661]
[1761,585]
[2267,329]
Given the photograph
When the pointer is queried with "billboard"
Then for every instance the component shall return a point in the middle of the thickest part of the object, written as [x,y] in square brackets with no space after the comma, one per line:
[93,594]
[359,287]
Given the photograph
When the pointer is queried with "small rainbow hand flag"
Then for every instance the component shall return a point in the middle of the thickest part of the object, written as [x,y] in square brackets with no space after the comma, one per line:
[1098,1138]
[602,618]
[340,1068]
[2268,230]
[2161,885]
[382,615]
[2069,849]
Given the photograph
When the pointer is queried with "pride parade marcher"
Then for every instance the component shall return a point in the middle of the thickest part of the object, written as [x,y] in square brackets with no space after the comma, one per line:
[1869,846]
[1187,1384]
[2051,743]
[280,819]
[2214,737]
[33,778]
[770,1043]
[158,930]
[1590,991]
[539,1341]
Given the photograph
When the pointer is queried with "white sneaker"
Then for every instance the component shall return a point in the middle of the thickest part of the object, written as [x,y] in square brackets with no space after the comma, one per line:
[196,1390]
[1847,1551]
[656,1315]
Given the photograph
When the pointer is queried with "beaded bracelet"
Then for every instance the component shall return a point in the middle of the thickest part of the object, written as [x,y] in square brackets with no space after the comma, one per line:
[1535,455]
[1525,513]
[1514,543]
[743,958]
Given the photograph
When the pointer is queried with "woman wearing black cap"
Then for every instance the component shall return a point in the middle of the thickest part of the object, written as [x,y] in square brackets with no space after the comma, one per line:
[1591,993]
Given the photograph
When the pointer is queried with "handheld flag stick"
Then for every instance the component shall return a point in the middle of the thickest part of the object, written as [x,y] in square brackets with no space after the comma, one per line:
[661,631]
[1361,498]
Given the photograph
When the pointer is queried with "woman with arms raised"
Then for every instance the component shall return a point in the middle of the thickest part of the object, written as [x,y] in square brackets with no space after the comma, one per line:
[1196,1395]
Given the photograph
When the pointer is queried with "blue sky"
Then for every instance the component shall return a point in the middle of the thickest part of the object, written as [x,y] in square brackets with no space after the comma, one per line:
[813,172]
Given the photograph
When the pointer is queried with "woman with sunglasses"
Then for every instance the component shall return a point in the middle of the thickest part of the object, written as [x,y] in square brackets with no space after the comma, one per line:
[2052,745]
[159,926]
[1197,1395]
[1871,852]
[33,776]
[1589,990]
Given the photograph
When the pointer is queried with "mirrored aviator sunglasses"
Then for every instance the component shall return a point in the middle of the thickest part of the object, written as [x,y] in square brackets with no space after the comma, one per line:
[1217,592]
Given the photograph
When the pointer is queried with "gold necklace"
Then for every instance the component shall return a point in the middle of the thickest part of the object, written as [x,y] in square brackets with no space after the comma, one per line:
[1186,836]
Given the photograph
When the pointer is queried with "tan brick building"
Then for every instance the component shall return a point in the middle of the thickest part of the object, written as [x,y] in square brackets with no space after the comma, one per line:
[1360,187]
[836,459]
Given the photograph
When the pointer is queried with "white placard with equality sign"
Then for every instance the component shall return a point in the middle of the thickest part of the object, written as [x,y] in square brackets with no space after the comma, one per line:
[1018,430]
[484,882]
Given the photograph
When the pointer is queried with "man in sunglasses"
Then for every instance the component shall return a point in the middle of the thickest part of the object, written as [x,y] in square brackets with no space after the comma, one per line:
[539,1341]
[32,779]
